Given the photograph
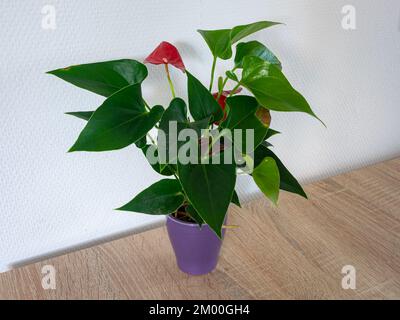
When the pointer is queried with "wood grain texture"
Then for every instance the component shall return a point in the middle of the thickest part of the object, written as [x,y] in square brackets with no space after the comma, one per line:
[295,251]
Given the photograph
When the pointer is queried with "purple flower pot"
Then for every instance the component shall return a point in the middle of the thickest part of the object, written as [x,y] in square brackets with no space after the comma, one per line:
[196,249]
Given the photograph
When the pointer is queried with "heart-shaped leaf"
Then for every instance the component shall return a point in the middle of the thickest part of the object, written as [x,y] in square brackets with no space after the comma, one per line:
[176,111]
[266,176]
[120,121]
[235,199]
[240,32]
[243,115]
[162,198]
[85,115]
[176,115]
[104,78]
[163,169]
[270,133]
[166,53]
[271,88]
[203,187]
[255,49]
[220,41]
[287,181]
[201,102]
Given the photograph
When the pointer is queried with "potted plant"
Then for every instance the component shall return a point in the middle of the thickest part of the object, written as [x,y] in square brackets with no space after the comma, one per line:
[196,195]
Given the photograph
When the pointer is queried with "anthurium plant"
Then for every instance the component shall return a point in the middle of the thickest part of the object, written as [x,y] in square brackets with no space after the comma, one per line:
[197,191]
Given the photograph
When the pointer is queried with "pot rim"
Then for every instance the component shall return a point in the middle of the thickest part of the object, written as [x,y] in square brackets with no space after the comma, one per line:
[189,224]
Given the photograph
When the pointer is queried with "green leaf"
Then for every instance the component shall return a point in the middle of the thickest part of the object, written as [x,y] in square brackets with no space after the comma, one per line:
[209,188]
[219,42]
[120,121]
[287,181]
[162,198]
[141,143]
[194,215]
[266,176]
[104,78]
[235,199]
[255,49]
[231,75]
[271,133]
[85,115]
[242,115]
[176,111]
[163,169]
[271,88]
[201,102]
[243,31]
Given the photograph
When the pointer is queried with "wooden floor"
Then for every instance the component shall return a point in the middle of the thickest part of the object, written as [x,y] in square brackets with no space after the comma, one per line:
[294,252]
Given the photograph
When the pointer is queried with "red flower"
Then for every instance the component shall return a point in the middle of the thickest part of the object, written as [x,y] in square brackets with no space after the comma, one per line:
[222,100]
[166,53]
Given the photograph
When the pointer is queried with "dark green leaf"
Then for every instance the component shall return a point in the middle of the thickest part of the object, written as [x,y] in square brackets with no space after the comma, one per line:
[104,78]
[209,188]
[163,169]
[287,181]
[271,88]
[271,133]
[120,121]
[219,42]
[235,199]
[194,215]
[255,49]
[243,31]
[201,102]
[242,115]
[231,75]
[141,143]
[85,115]
[162,198]
[266,176]
[177,111]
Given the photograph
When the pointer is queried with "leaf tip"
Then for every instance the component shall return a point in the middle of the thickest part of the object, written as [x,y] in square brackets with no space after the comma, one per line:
[72,149]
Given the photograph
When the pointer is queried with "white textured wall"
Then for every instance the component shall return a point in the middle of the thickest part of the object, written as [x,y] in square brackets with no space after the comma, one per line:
[53,201]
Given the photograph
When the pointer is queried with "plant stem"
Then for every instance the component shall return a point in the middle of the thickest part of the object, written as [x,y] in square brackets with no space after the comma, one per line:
[146,105]
[212,73]
[169,80]
[151,139]
[222,89]
[224,83]
[234,89]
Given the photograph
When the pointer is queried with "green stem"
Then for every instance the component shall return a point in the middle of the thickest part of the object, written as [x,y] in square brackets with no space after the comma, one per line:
[212,73]
[176,176]
[151,139]
[146,105]
[224,83]
[169,80]
[222,89]
[234,89]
